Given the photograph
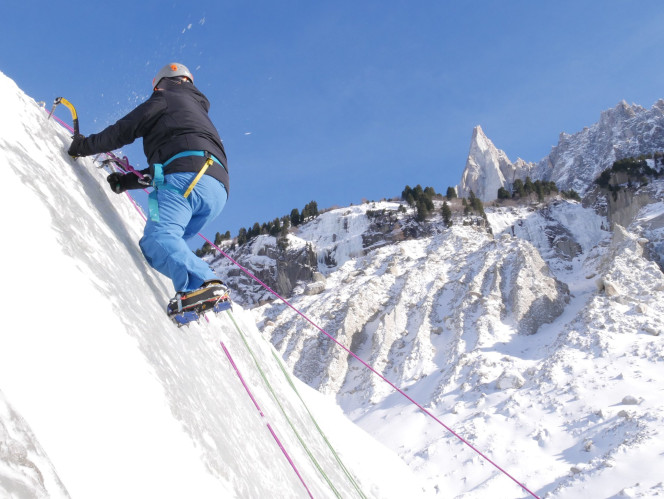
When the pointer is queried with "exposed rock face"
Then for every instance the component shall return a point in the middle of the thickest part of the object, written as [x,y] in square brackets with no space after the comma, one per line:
[560,230]
[616,282]
[529,290]
[280,269]
[385,228]
[639,208]
[555,235]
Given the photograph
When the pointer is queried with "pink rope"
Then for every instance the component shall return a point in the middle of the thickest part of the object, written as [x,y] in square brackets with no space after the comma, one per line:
[365,364]
[138,208]
[124,165]
[71,129]
[263,416]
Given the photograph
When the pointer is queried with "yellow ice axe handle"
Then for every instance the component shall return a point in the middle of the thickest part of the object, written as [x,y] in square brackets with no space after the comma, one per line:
[72,109]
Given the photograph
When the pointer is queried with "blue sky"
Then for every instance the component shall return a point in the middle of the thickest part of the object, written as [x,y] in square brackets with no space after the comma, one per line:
[343,101]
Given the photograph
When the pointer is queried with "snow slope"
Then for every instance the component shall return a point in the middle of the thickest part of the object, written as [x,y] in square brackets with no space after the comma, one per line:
[101,395]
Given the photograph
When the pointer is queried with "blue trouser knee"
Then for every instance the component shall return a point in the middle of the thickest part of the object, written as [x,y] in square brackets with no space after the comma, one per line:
[164,242]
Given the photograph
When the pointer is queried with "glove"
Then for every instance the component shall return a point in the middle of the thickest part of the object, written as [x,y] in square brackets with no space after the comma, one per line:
[115,180]
[75,147]
[120,182]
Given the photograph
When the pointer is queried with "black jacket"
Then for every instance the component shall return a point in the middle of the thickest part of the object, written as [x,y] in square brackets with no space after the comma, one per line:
[174,119]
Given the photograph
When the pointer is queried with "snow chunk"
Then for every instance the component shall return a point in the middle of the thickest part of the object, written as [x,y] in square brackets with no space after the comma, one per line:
[509,380]
[315,288]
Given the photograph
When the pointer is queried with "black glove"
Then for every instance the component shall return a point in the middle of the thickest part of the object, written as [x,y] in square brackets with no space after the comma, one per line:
[115,180]
[75,147]
[120,182]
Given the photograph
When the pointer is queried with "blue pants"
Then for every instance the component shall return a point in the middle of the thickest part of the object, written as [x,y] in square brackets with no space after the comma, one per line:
[164,242]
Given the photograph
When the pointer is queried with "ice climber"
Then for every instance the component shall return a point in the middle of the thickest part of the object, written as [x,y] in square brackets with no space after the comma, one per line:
[184,151]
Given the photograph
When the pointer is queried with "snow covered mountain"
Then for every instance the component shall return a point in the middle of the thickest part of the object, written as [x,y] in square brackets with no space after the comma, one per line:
[539,341]
[102,396]
[577,159]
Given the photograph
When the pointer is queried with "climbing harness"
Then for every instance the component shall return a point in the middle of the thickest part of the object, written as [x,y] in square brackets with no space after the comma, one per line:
[158,181]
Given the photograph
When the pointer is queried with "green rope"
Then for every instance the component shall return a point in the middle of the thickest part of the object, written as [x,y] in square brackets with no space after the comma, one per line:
[336,456]
[274,395]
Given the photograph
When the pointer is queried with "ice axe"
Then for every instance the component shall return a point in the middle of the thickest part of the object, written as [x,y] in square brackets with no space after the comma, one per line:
[72,109]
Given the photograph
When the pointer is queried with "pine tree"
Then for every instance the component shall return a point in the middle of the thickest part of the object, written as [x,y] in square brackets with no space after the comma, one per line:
[518,189]
[310,211]
[428,202]
[422,211]
[451,193]
[284,230]
[313,209]
[571,194]
[242,237]
[295,217]
[447,214]
[282,243]
[275,228]
[503,193]
[528,186]
[477,206]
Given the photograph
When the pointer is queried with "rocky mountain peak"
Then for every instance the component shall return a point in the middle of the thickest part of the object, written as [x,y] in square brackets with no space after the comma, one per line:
[488,168]
[621,132]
